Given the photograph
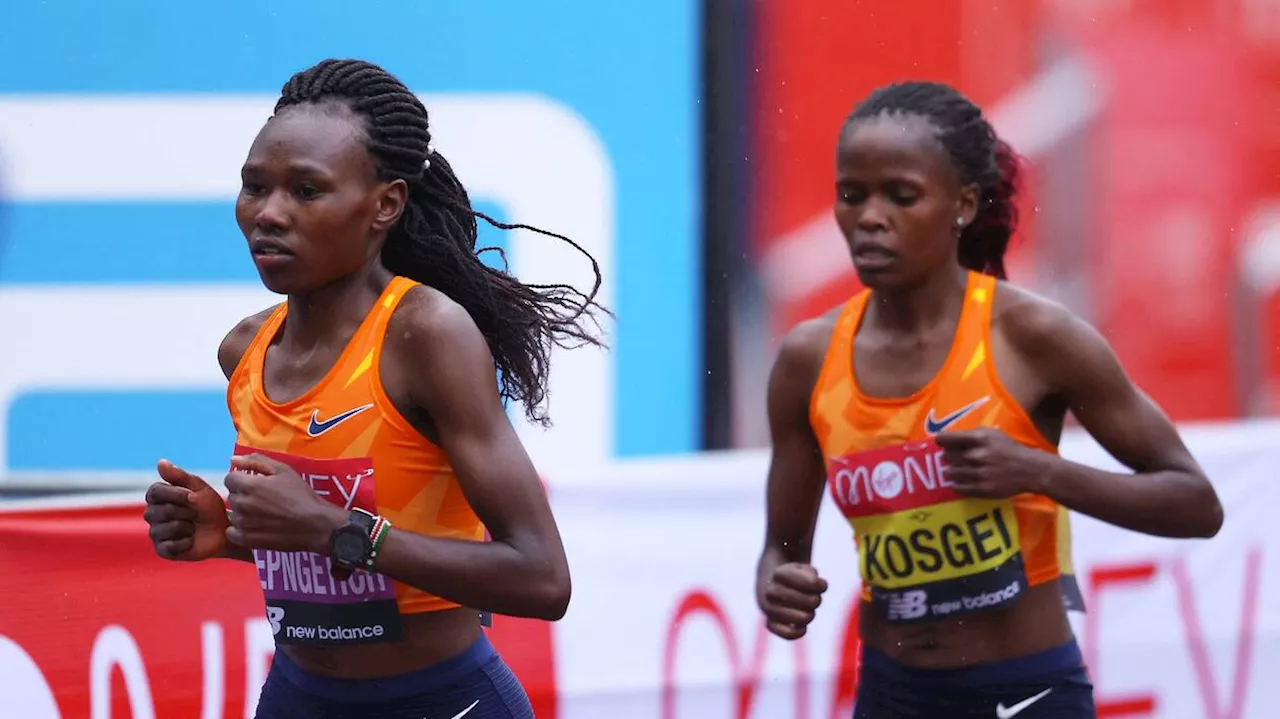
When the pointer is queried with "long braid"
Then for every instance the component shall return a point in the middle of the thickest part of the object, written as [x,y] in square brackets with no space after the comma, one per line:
[434,241]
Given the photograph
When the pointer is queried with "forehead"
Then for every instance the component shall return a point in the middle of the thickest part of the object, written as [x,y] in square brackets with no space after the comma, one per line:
[894,143]
[328,137]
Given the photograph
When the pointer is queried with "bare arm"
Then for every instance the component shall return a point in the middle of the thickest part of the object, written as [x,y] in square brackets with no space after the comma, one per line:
[1167,494]
[523,571]
[230,352]
[796,469]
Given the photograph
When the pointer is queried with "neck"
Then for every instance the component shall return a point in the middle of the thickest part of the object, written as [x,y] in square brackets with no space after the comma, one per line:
[922,307]
[336,309]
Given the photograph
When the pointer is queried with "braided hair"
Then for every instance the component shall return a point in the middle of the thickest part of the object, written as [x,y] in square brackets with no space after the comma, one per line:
[434,241]
[977,153]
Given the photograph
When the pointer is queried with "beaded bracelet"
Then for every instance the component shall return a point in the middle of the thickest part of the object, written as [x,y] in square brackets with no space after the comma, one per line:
[381,528]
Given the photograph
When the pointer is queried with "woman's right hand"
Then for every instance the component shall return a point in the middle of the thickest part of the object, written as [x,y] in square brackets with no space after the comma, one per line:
[188,518]
[790,599]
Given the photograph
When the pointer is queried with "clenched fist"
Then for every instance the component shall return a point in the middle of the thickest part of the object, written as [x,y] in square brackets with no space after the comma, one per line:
[790,597]
[187,517]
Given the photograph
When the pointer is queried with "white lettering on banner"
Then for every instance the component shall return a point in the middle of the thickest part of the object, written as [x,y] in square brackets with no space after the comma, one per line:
[259,650]
[215,673]
[22,684]
[565,182]
[115,647]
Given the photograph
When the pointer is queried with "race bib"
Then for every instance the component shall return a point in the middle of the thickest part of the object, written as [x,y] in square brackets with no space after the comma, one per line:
[926,552]
[305,603]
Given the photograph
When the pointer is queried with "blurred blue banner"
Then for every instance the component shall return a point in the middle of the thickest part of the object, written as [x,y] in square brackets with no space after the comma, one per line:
[122,127]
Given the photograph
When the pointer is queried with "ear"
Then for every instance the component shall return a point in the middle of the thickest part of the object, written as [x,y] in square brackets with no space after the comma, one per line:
[391,203]
[967,203]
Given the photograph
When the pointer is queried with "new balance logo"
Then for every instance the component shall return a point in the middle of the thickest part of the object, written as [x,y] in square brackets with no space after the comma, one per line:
[317,428]
[932,425]
[905,606]
[275,615]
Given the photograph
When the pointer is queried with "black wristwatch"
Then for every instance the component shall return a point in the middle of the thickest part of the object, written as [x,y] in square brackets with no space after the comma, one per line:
[351,545]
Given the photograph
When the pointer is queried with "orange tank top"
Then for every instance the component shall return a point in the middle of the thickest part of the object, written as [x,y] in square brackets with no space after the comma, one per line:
[925,551]
[354,448]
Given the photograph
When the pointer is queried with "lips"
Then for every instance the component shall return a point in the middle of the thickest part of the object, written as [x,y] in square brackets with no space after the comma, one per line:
[268,247]
[871,256]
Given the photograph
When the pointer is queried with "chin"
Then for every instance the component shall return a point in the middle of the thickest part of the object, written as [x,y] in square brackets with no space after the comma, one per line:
[280,285]
[890,281]
[879,280]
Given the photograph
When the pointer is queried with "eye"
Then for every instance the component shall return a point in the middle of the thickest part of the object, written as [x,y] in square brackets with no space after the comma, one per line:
[902,195]
[307,192]
[254,189]
[851,195]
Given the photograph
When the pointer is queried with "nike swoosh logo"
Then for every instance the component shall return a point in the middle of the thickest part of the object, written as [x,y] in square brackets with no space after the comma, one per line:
[1003,712]
[466,711]
[317,428]
[932,425]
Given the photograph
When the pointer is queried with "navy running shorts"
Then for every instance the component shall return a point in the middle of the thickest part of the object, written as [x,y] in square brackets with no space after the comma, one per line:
[1050,685]
[475,684]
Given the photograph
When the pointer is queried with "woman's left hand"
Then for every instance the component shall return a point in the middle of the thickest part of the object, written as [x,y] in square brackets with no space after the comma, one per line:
[985,462]
[274,508]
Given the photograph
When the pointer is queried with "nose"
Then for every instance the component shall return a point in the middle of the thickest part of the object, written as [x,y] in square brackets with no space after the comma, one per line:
[873,215]
[272,214]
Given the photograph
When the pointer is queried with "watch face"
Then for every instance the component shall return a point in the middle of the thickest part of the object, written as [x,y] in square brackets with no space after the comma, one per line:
[350,547]
[363,520]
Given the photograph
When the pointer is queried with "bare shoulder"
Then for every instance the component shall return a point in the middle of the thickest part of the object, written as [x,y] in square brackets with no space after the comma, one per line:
[807,341]
[1048,334]
[436,360]
[1032,322]
[427,321]
[237,341]
[803,350]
